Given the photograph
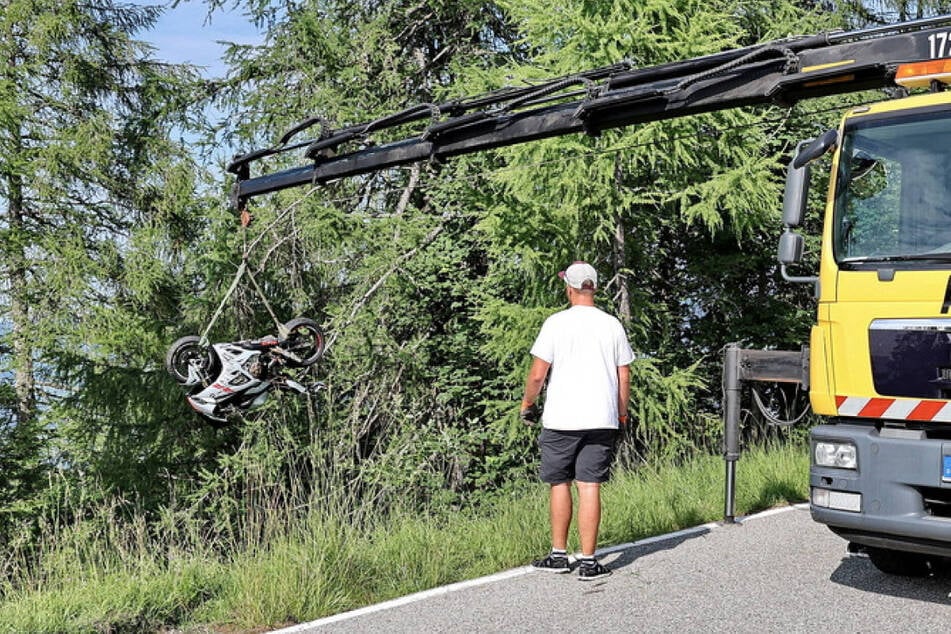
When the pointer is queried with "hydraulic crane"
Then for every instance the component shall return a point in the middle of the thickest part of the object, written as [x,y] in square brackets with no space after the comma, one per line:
[878,364]
[779,72]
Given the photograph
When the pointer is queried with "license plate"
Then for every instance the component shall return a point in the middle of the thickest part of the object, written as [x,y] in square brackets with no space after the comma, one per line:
[946,470]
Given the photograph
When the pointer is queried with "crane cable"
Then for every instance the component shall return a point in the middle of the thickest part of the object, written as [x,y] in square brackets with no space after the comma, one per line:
[243,268]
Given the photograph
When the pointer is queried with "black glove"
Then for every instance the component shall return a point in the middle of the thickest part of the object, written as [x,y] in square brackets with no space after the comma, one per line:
[530,415]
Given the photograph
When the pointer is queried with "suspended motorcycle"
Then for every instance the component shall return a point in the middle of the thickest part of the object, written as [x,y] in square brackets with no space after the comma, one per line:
[224,380]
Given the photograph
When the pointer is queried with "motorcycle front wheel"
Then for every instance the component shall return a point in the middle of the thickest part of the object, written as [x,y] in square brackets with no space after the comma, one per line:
[304,340]
[189,362]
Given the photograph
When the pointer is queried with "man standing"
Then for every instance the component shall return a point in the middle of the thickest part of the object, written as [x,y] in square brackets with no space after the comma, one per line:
[588,356]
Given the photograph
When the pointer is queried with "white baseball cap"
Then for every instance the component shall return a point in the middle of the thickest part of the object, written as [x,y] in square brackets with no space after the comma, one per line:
[580,275]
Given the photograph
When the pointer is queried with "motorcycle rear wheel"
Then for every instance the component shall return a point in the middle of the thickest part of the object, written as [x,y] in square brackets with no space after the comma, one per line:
[305,340]
[183,355]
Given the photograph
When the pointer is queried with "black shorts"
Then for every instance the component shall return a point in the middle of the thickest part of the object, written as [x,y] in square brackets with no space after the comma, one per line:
[584,456]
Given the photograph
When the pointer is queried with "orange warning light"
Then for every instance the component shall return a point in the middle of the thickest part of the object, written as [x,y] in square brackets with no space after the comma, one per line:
[921,74]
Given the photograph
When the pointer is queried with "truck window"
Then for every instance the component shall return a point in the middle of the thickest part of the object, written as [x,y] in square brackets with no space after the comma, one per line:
[892,198]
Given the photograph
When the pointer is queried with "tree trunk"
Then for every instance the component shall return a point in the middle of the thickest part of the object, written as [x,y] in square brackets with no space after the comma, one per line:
[623,294]
[23,381]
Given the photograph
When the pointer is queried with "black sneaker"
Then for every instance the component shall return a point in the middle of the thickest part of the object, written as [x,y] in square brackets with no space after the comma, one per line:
[591,569]
[553,563]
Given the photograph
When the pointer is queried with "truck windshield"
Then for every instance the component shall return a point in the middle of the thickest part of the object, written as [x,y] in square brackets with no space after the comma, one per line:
[893,197]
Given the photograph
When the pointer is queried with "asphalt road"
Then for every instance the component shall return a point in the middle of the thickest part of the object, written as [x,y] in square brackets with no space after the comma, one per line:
[777,571]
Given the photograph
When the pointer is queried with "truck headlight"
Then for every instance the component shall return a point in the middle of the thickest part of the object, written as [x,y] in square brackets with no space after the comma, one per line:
[841,455]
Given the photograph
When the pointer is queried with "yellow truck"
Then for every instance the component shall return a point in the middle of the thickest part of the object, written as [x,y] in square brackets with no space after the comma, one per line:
[880,351]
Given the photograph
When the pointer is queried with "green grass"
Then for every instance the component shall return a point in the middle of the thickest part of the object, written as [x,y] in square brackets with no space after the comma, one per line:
[131,601]
[658,500]
[325,565]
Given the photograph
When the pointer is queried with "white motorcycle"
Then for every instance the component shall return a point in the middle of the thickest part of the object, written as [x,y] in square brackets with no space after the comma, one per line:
[226,379]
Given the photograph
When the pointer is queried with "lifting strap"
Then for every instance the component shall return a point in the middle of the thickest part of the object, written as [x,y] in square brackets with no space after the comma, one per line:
[244,269]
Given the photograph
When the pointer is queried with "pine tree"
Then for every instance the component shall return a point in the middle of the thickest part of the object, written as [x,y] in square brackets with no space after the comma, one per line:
[862,13]
[86,168]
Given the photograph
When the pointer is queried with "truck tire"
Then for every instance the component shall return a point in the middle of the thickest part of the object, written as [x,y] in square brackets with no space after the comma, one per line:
[896,562]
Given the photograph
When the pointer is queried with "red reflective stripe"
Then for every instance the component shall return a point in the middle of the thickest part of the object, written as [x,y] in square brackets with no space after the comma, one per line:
[926,410]
[876,407]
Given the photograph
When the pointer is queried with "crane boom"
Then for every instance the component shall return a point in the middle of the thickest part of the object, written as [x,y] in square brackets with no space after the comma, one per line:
[778,72]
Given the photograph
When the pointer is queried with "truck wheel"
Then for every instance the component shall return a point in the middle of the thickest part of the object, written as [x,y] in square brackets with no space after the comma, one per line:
[896,562]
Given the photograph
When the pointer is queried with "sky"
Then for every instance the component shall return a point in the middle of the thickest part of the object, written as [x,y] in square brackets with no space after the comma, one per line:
[186,34]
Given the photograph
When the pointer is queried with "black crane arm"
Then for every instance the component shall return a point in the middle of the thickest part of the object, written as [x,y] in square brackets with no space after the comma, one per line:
[779,72]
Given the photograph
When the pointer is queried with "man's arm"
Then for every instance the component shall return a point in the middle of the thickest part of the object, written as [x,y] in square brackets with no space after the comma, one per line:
[534,382]
[623,392]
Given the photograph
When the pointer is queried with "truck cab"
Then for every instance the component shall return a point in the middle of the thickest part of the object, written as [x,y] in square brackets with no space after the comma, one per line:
[880,369]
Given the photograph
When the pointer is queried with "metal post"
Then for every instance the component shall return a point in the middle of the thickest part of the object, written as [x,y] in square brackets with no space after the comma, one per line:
[731,430]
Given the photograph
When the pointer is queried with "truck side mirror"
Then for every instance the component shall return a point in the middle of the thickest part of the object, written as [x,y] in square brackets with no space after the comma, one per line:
[796,195]
[790,247]
[797,176]
[816,148]
[790,252]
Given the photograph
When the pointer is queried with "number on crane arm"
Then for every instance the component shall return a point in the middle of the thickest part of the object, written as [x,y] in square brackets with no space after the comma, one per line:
[939,44]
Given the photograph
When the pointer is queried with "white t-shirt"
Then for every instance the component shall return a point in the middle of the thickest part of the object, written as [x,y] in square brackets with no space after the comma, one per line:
[584,346]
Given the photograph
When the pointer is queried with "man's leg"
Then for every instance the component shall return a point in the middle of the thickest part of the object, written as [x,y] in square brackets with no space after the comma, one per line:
[560,514]
[557,469]
[589,516]
[593,468]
